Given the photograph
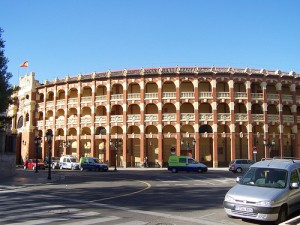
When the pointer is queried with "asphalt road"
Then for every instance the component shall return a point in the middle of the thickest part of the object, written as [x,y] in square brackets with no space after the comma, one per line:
[128,197]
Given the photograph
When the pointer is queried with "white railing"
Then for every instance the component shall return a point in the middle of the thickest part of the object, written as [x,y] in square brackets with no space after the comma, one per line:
[131,118]
[100,98]
[273,97]
[60,102]
[40,123]
[151,117]
[168,117]
[86,99]
[273,118]
[206,117]
[72,120]
[50,104]
[85,119]
[49,123]
[116,97]
[187,117]
[241,117]
[223,95]
[288,119]
[287,98]
[151,95]
[257,117]
[257,96]
[205,95]
[187,95]
[134,96]
[41,105]
[72,101]
[100,119]
[116,118]
[60,121]
[240,95]
[169,95]
[223,117]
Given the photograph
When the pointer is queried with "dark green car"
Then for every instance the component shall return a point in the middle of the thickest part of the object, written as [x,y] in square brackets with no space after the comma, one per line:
[92,163]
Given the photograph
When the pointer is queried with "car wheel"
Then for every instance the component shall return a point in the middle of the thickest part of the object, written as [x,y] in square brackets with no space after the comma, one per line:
[239,170]
[199,170]
[61,167]
[174,170]
[33,168]
[53,166]
[72,168]
[81,169]
[282,215]
[25,167]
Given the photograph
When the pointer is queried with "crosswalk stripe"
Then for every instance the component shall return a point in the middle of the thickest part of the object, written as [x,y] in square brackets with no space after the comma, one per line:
[94,221]
[134,222]
[38,208]
[40,221]
[84,214]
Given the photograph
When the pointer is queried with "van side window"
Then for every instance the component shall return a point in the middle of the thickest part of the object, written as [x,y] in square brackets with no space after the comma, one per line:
[190,161]
[182,160]
[294,177]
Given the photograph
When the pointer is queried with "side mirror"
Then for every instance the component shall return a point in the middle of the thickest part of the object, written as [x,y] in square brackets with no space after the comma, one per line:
[238,179]
[294,185]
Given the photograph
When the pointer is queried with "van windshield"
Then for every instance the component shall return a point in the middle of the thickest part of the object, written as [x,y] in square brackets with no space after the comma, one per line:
[265,177]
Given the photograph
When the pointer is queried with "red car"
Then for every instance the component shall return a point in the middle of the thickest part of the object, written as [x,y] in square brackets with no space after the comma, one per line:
[31,164]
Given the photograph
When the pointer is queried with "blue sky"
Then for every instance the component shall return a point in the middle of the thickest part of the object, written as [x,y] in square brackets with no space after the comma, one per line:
[68,37]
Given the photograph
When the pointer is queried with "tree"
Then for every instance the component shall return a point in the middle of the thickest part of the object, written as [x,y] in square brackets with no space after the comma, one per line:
[5,88]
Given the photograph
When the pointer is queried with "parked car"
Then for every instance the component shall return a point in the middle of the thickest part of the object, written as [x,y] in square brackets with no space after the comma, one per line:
[240,165]
[269,191]
[185,163]
[92,163]
[68,162]
[31,164]
[54,162]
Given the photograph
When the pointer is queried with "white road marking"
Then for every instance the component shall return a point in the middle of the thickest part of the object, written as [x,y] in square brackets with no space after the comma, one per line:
[95,221]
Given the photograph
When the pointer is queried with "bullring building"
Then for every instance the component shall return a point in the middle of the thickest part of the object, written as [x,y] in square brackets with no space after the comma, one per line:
[121,117]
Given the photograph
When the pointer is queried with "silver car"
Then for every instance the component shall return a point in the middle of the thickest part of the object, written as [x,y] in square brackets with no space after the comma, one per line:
[269,191]
[240,165]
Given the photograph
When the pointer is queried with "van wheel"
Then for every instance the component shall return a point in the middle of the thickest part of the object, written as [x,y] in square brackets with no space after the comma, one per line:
[174,170]
[81,168]
[239,170]
[282,215]
[61,167]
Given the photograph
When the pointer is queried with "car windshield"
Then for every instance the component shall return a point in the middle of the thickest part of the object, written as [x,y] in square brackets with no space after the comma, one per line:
[265,177]
[95,160]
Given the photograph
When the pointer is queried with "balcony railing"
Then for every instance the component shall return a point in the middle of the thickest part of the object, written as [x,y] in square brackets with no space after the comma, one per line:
[41,105]
[223,95]
[87,99]
[116,97]
[60,102]
[86,120]
[169,117]
[151,96]
[49,104]
[287,98]
[60,121]
[131,118]
[72,101]
[72,120]
[116,118]
[151,117]
[101,98]
[257,117]
[273,118]
[187,95]
[187,117]
[240,95]
[223,117]
[273,97]
[169,95]
[100,119]
[288,119]
[206,117]
[49,123]
[241,117]
[134,96]
[257,96]
[205,95]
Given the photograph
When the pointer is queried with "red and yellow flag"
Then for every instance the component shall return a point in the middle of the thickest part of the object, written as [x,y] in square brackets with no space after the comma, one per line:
[24,64]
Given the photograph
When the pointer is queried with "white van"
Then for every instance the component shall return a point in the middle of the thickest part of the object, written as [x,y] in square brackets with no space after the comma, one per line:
[269,191]
[68,162]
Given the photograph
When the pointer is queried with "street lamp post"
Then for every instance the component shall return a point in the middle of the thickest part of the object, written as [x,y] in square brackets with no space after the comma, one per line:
[37,140]
[116,146]
[49,136]
[269,146]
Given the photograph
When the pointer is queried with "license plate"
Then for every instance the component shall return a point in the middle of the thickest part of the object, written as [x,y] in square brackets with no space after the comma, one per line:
[244,209]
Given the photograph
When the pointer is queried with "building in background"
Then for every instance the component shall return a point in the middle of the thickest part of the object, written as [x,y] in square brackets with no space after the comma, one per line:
[212,114]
